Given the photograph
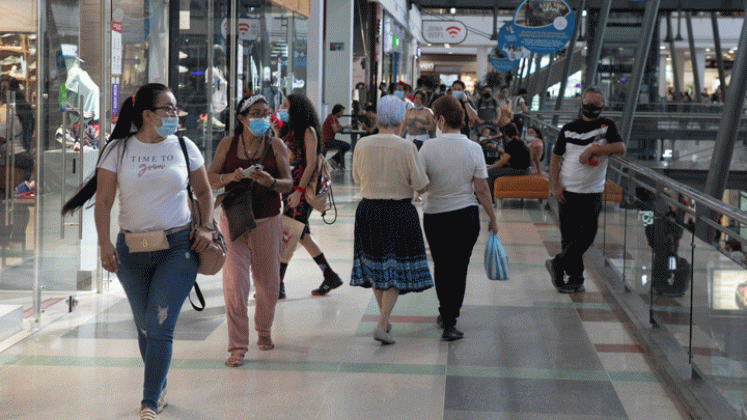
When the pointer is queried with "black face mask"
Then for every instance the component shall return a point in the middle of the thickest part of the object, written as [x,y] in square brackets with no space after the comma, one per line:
[486,95]
[591,111]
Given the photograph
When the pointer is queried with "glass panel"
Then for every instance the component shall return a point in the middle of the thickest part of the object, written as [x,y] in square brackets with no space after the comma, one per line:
[18,63]
[695,290]
[271,61]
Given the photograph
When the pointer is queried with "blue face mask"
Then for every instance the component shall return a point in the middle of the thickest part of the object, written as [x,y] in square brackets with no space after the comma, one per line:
[283,115]
[419,107]
[456,93]
[258,126]
[169,126]
[399,93]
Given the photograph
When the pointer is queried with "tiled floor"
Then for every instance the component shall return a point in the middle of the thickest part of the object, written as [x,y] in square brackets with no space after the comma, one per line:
[528,352]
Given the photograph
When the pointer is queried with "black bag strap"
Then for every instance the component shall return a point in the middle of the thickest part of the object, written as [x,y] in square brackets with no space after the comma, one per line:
[198,292]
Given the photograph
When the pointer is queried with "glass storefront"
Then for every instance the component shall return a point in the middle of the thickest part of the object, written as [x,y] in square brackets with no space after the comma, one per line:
[56,79]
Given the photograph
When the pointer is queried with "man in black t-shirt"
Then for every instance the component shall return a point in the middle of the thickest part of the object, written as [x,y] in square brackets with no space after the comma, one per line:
[578,169]
[515,159]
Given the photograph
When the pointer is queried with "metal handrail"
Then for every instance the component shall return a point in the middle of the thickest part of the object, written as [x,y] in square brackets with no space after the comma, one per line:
[696,196]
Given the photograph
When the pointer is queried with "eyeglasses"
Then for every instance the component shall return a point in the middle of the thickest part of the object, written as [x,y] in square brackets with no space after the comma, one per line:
[169,110]
[259,114]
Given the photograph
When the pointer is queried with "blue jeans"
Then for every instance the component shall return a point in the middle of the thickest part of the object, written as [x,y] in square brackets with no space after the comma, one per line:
[156,284]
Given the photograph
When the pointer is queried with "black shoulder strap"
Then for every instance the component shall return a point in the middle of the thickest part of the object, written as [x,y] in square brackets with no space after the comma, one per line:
[198,292]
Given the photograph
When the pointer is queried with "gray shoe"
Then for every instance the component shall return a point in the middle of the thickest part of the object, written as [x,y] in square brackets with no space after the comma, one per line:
[451,334]
[556,275]
[572,288]
[384,337]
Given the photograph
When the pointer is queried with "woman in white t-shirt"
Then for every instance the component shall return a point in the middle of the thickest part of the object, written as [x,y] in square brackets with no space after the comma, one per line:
[149,169]
[456,168]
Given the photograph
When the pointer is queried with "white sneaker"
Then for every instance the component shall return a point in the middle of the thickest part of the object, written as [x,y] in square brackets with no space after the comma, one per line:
[162,401]
[147,414]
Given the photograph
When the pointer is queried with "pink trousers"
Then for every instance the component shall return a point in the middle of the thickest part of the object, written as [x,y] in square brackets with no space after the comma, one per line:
[257,256]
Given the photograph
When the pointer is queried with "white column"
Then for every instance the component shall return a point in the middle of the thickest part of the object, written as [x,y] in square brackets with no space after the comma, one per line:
[481,66]
[662,76]
[699,66]
[338,64]
[315,56]
[681,68]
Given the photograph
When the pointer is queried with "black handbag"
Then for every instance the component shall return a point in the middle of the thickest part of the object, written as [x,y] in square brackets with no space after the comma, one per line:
[237,205]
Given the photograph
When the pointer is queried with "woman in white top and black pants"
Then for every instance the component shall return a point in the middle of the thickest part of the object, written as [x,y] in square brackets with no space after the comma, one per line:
[456,168]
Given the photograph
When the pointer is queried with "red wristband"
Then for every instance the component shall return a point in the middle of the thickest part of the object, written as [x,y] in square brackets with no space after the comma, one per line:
[297,188]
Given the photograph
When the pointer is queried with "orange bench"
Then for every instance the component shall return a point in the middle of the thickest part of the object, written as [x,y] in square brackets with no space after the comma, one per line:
[612,192]
[532,186]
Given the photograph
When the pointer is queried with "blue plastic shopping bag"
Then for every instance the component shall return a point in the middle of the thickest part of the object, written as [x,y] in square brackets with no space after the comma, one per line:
[496,261]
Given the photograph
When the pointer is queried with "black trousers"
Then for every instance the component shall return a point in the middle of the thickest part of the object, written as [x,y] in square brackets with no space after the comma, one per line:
[451,237]
[579,217]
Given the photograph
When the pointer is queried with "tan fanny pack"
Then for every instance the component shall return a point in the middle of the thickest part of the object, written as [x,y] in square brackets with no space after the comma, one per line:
[146,241]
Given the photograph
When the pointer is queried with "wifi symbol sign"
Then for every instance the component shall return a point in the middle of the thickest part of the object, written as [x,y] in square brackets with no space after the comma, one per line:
[453,31]
[244,29]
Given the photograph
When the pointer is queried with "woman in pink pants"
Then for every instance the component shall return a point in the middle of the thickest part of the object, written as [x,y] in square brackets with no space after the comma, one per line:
[256,253]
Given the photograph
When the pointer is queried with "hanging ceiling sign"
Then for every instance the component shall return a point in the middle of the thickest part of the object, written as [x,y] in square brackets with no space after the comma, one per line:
[544,26]
[444,32]
[506,54]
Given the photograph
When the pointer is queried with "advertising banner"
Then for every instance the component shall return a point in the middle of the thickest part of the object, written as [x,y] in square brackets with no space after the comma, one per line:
[544,26]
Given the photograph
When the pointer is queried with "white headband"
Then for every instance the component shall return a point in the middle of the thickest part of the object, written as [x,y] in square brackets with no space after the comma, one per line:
[251,101]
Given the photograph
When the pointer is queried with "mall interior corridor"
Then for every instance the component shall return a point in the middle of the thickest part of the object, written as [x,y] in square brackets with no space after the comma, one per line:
[529,352]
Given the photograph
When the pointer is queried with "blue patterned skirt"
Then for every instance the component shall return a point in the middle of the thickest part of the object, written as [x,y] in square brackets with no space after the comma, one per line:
[389,250]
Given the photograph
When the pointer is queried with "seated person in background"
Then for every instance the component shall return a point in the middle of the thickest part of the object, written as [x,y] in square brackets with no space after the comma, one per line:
[329,129]
[515,160]
[370,125]
[490,142]
[536,146]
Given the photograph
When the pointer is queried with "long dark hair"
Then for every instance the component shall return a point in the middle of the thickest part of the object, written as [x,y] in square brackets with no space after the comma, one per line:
[131,113]
[301,115]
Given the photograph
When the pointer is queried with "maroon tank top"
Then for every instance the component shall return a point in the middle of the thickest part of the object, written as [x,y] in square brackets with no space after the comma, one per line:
[265,202]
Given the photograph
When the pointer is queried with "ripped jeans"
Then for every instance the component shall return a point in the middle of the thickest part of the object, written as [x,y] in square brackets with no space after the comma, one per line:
[156,284]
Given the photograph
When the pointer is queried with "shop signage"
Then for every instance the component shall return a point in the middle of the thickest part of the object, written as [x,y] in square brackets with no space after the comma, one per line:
[248,29]
[116,48]
[444,32]
[336,46]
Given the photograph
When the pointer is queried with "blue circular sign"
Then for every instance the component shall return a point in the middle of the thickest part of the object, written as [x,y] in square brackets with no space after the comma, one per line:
[506,54]
[543,26]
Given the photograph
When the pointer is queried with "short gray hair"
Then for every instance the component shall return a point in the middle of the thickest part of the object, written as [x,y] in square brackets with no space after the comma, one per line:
[390,111]
[594,89]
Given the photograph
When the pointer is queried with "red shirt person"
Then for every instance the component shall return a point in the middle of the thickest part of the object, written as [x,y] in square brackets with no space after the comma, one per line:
[331,127]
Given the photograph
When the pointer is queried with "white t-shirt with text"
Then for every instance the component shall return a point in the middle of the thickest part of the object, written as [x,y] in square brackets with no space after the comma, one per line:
[152,182]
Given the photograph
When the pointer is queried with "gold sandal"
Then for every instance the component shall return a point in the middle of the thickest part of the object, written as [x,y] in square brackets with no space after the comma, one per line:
[235,360]
[265,343]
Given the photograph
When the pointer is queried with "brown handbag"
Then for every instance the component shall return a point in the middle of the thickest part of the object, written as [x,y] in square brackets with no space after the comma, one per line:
[212,259]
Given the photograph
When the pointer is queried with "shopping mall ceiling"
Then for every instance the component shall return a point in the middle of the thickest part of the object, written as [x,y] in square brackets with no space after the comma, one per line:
[687,5]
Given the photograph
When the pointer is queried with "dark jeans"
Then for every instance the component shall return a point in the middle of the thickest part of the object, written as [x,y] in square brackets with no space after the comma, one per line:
[156,284]
[579,217]
[342,148]
[451,237]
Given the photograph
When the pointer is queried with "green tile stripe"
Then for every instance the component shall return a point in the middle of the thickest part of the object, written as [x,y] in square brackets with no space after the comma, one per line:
[573,305]
[350,367]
